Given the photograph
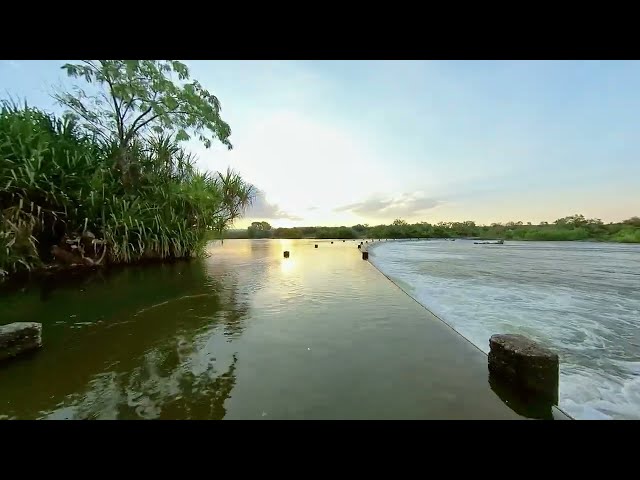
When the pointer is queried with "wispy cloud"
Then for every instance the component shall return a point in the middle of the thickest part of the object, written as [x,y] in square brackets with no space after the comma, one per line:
[405,205]
[264,210]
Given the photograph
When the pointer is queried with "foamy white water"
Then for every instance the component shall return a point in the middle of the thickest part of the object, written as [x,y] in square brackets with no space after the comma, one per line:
[580,299]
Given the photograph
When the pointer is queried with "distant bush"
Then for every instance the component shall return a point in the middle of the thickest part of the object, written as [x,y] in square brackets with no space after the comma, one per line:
[555,234]
[573,228]
[628,235]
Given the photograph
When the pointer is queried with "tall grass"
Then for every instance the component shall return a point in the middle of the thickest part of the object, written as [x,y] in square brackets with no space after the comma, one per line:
[60,188]
[628,235]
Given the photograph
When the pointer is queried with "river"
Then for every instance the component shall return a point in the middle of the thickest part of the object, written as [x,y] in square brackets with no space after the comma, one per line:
[580,299]
[241,334]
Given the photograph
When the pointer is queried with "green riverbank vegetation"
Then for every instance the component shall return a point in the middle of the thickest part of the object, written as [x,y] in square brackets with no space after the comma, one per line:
[575,227]
[110,181]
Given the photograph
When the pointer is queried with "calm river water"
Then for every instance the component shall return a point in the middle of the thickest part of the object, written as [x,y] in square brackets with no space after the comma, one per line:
[242,334]
[580,299]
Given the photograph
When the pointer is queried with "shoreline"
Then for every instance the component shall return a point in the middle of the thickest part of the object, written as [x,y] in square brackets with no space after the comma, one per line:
[585,240]
[67,274]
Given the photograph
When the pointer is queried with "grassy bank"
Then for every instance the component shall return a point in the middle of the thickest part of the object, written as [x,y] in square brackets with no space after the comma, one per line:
[78,190]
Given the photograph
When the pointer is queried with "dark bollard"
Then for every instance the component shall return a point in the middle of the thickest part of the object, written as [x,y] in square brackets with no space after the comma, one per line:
[343,241]
[365,255]
[528,368]
[316,245]
[331,243]
[286,254]
[359,246]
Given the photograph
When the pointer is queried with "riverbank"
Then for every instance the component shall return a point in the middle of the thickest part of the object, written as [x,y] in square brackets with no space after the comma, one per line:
[244,333]
[631,236]
[572,228]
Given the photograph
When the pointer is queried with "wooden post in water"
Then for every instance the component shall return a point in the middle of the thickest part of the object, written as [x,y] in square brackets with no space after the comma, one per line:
[529,368]
[365,255]
[316,245]
[286,254]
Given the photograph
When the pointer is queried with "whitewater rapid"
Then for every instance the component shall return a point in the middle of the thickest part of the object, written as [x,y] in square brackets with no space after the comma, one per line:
[580,299]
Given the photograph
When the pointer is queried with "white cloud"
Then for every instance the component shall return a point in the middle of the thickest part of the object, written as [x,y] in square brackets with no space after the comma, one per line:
[387,209]
[262,209]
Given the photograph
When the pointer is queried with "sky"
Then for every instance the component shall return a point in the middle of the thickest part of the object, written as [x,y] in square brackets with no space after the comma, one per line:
[345,142]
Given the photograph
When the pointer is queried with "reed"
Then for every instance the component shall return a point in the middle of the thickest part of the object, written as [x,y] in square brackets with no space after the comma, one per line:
[63,187]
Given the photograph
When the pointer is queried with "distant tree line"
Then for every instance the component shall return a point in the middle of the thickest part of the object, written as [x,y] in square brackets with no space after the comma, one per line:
[574,227]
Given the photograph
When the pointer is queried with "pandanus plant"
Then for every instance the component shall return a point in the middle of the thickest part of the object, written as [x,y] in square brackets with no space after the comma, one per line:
[60,186]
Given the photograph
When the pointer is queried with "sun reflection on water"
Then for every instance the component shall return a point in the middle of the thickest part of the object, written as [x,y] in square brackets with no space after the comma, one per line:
[287,265]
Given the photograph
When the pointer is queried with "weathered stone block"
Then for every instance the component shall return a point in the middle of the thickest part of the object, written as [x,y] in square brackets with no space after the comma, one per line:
[19,337]
[526,365]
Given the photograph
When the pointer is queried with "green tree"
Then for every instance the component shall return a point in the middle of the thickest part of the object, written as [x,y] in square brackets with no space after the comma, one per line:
[259,230]
[308,231]
[359,229]
[135,97]
[344,232]
[294,233]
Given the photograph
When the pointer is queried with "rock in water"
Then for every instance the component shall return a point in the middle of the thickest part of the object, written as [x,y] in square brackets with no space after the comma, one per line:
[19,337]
[525,365]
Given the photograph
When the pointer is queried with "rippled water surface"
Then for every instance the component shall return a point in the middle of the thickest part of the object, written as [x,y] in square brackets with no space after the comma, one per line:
[580,299]
[242,334]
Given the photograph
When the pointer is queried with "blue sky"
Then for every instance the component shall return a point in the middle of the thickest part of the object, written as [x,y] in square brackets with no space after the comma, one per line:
[345,142]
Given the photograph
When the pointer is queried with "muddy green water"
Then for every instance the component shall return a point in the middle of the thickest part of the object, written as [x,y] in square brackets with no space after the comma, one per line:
[242,334]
